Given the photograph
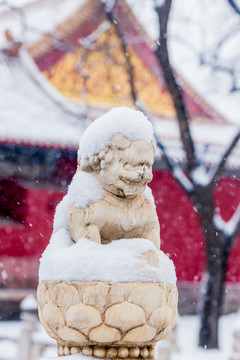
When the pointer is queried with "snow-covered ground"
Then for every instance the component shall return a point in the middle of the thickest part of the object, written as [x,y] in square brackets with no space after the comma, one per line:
[187,332]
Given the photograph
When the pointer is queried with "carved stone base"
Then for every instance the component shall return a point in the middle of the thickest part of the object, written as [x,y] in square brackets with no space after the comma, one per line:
[135,352]
[83,314]
[107,320]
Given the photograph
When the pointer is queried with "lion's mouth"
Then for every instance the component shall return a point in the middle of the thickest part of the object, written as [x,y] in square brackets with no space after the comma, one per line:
[136,181]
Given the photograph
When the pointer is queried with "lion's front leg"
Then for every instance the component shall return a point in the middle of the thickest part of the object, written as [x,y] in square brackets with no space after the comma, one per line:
[91,232]
[80,226]
[154,236]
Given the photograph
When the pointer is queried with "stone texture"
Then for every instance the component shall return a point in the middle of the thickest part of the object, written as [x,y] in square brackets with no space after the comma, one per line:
[140,334]
[123,352]
[60,350]
[164,333]
[111,353]
[161,317]
[121,315]
[74,350]
[99,352]
[125,316]
[96,295]
[71,336]
[53,316]
[151,352]
[42,293]
[144,352]
[148,296]
[104,334]
[83,317]
[87,351]
[66,351]
[172,298]
[134,352]
[65,295]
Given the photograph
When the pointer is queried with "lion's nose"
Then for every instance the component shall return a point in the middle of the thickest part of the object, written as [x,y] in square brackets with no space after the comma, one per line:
[140,174]
[142,171]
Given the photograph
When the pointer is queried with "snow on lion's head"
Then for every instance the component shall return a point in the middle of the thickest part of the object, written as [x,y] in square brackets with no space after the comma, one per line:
[119,148]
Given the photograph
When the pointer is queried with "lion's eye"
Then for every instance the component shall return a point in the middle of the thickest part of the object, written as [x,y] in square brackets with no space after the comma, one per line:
[127,166]
[145,164]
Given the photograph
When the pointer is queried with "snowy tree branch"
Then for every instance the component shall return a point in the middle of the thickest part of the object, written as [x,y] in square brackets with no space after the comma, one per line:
[234,6]
[230,228]
[27,28]
[218,67]
[172,85]
[130,70]
[176,170]
[219,167]
[189,46]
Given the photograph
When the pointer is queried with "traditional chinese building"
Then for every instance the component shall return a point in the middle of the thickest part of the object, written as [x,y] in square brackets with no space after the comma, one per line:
[50,92]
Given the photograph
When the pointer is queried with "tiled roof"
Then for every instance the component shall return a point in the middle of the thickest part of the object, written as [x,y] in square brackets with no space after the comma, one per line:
[49,51]
[31,109]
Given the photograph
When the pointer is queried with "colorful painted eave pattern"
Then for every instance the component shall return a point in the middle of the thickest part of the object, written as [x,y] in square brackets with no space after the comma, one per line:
[55,57]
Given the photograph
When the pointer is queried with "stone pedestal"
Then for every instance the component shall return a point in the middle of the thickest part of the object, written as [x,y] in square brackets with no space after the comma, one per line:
[236,345]
[103,319]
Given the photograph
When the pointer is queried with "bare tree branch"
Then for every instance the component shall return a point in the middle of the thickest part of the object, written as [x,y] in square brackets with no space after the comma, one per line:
[120,34]
[188,45]
[234,6]
[176,170]
[230,228]
[173,86]
[236,231]
[220,166]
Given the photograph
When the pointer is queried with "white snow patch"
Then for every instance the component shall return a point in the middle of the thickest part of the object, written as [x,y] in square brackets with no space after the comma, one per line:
[29,303]
[201,176]
[90,39]
[148,195]
[4,274]
[131,123]
[61,213]
[117,261]
[31,109]
[186,340]
[228,227]
[182,178]
[83,190]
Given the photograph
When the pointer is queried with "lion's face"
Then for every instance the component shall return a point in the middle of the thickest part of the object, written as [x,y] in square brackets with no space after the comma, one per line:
[129,170]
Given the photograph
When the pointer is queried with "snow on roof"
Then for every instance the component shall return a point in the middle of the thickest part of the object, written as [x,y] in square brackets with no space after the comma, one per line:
[132,124]
[184,19]
[34,18]
[31,108]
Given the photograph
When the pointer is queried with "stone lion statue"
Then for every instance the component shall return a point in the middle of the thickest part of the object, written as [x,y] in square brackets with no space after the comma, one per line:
[116,300]
[121,162]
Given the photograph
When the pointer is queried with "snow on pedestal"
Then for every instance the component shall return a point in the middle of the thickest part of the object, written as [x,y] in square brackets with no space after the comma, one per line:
[106,290]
